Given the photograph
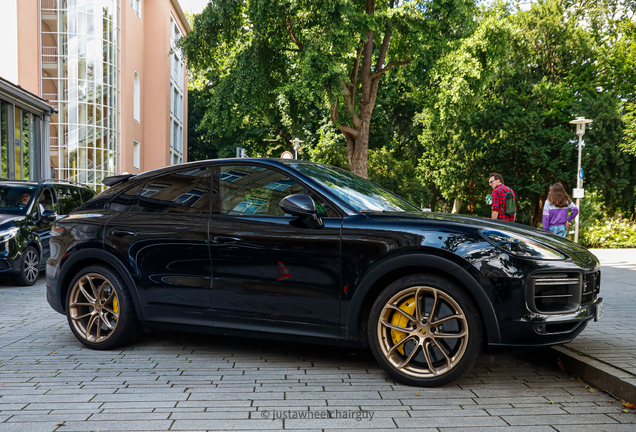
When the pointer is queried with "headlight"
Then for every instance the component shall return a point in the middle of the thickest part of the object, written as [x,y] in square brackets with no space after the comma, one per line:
[8,234]
[520,246]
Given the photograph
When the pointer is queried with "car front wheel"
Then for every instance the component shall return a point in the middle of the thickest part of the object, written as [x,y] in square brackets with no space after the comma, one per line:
[425,331]
[100,310]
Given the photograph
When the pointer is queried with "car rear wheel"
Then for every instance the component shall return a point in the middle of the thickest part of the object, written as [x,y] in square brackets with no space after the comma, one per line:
[100,310]
[29,267]
[425,331]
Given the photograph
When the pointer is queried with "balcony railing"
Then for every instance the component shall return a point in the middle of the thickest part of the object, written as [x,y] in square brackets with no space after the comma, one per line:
[53,141]
[53,4]
[49,54]
[51,97]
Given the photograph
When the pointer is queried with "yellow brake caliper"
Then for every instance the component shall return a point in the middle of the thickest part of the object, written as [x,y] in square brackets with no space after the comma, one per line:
[400,320]
[115,305]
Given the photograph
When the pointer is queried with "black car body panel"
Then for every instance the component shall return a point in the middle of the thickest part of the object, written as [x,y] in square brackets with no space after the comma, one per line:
[208,271]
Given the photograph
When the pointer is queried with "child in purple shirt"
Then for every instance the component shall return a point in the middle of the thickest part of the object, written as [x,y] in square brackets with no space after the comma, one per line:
[555,210]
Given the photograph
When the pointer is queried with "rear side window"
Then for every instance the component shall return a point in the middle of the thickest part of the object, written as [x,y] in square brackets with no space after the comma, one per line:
[87,194]
[127,200]
[187,191]
[68,199]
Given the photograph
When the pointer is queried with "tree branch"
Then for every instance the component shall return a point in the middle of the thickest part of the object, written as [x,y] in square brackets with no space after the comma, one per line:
[292,35]
[384,48]
[348,130]
[353,77]
[349,102]
[387,67]
[341,128]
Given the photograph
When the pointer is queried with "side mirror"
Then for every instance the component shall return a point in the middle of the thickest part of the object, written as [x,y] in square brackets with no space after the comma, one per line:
[302,206]
[49,215]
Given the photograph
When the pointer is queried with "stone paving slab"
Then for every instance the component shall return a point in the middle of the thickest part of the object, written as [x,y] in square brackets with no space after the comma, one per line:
[192,382]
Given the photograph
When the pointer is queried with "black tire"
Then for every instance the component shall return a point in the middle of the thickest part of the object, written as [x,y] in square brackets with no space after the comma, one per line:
[425,355]
[29,267]
[115,307]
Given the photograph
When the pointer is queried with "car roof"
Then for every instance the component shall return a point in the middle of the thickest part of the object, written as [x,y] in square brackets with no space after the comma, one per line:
[34,183]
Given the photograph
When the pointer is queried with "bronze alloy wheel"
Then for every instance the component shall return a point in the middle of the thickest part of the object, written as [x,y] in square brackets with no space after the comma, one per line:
[425,330]
[424,338]
[94,308]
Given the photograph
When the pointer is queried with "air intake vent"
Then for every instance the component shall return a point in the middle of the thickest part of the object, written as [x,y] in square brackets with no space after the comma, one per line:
[591,287]
[553,293]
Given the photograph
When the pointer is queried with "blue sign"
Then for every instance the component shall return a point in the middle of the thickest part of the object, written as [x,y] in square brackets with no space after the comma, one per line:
[581,173]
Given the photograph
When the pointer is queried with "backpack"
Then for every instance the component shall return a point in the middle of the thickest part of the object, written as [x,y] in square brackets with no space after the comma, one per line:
[511,205]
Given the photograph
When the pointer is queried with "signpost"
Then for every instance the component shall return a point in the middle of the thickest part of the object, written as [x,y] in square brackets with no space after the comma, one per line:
[287,155]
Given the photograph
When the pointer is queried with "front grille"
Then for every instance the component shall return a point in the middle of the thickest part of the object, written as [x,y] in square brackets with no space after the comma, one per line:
[591,287]
[551,293]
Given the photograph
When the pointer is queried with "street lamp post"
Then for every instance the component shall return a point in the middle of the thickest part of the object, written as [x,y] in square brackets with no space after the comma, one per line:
[296,142]
[578,193]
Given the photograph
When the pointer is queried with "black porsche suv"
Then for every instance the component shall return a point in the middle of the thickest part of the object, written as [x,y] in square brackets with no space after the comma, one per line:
[297,250]
[27,211]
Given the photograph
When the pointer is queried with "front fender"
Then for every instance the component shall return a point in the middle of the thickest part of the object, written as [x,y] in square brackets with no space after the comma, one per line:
[351,314]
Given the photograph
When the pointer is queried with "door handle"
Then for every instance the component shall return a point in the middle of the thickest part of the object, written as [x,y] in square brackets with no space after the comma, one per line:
[225,239]
[124,233]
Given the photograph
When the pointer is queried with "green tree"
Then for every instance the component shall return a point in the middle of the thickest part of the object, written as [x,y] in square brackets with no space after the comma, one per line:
[281,65]
[520,126]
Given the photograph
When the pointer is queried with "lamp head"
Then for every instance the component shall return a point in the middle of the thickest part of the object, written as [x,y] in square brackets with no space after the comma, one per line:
[580,123]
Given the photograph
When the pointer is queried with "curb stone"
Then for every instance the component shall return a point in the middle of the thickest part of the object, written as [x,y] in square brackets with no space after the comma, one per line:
[601,375]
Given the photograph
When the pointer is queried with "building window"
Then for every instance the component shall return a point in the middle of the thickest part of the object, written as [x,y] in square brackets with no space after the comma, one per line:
[136,6]
[80,70]
[177,71]
[136,99]
[136,155]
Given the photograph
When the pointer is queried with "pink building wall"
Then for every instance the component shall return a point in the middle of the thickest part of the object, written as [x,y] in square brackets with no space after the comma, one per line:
[144,48]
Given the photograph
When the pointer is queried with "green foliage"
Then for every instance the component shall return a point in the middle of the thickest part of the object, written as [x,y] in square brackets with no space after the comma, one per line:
[519,126]
[610,233]
[489,89]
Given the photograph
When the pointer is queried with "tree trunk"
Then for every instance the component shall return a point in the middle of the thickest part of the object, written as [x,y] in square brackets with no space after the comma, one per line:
[357,137]
[358,151]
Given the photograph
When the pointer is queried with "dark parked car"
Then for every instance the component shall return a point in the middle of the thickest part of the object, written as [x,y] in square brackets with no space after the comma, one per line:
[291,249]
[27,211]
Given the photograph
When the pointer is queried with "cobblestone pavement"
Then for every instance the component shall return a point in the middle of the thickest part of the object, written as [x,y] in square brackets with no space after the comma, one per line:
[612,340]
[192,382]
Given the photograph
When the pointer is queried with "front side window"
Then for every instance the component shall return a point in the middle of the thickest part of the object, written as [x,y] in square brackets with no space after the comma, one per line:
[253,190]
[68,199]
[185,191]
[16,199]
[360,193]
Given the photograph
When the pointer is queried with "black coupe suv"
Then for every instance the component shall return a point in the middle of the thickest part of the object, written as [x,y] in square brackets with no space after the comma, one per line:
[292,249]
[27,211]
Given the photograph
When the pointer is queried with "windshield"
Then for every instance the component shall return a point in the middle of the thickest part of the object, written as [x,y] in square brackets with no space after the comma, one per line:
[361,194]
[16,199]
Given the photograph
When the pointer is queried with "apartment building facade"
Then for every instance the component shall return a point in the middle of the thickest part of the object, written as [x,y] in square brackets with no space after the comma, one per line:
[109,69]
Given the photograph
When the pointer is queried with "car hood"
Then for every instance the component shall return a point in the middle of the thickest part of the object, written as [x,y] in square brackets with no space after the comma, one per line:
[545,237]
[9,220]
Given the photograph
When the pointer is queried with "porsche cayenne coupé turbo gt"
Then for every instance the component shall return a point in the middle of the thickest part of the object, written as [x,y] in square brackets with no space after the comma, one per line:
[292,250]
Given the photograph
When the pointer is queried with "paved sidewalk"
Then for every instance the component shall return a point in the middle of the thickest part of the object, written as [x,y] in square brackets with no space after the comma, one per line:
[194,382]
[610,344]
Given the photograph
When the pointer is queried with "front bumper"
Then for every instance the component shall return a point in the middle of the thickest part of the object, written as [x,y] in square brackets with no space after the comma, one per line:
[538,330]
